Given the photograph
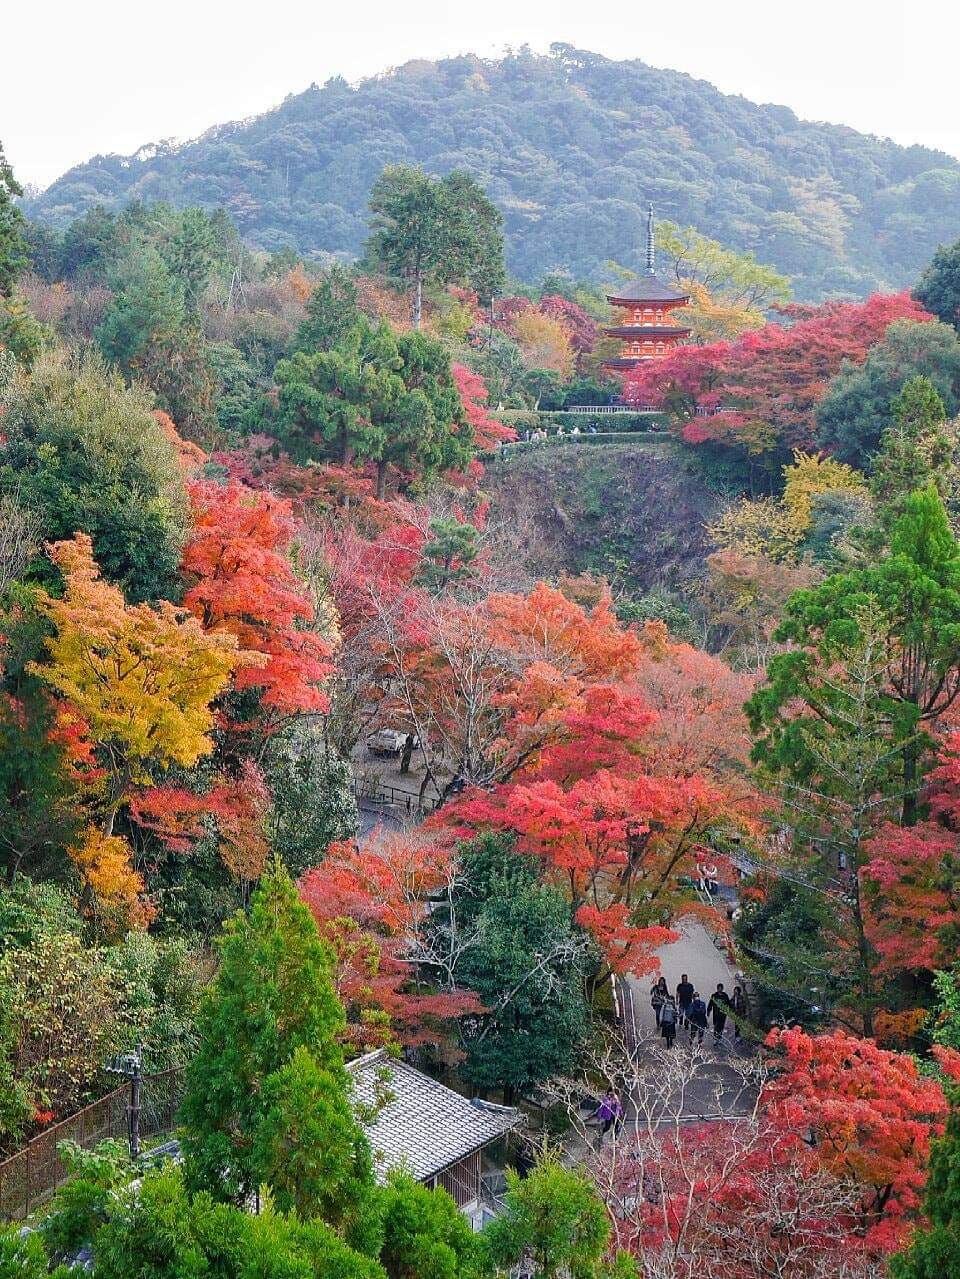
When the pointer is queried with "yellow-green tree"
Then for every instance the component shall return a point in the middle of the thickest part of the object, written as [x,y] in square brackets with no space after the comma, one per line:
[809,477]
[729,291]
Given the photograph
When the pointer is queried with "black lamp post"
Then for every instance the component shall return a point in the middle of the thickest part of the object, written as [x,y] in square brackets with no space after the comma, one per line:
[130,1067]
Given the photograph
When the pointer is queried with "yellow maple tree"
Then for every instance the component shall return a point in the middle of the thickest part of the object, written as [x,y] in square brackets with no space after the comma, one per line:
[544,342]
[142,679]
[808,477]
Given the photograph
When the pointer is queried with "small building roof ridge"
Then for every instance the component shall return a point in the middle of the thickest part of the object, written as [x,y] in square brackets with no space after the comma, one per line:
[425,1125]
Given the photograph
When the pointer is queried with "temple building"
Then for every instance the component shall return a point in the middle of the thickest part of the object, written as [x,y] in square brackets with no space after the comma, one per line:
[646,328]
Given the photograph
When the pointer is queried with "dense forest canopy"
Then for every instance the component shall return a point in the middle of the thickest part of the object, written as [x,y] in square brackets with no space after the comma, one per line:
[570,147]
[365,696]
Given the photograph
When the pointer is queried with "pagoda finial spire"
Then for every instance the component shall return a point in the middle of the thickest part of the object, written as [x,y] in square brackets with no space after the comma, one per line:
[650,242]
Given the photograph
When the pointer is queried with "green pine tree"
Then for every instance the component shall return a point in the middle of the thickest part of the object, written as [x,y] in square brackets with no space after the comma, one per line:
[272,995]
[915,451]
[310,1150]
[556,1217]
[448,554]
[442,229]
[425,1233]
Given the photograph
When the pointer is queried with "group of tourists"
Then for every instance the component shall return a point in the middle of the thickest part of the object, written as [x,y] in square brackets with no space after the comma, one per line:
[687,1009]
[541,434]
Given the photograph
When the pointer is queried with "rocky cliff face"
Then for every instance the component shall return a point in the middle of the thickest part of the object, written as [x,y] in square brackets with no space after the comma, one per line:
[634,512]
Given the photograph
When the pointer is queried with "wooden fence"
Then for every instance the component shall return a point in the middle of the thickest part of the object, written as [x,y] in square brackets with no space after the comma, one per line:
[32,1175]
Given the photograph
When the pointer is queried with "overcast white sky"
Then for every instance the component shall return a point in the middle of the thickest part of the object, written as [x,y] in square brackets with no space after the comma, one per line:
[110,75]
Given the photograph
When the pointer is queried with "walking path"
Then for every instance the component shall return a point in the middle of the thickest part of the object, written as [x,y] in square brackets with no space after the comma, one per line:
[718,1087]
[695,954]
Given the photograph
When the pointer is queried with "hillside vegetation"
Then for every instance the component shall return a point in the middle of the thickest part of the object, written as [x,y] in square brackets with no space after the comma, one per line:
[570,147]
[634,512]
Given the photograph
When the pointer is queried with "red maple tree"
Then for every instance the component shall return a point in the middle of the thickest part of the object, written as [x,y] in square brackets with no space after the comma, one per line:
[370,907]
[869,1114]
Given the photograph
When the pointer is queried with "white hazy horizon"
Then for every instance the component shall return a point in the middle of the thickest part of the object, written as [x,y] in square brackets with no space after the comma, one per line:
[111,77]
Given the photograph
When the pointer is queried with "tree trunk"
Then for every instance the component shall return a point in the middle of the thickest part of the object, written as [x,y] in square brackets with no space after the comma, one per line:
[417,299]
[908,815]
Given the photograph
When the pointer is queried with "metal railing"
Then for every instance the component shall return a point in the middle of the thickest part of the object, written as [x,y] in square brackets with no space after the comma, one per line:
[393,796]
[608,408]
[29,1177]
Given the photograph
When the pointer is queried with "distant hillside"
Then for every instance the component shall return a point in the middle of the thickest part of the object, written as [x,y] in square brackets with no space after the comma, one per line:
[570,147]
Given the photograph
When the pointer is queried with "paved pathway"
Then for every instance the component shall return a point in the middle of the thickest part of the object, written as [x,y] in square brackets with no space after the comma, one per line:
[719,1084]
[695,954]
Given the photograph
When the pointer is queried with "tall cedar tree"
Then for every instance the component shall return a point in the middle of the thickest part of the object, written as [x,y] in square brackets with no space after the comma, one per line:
[267,1099]
[442,229]
[13,245]
[914,596]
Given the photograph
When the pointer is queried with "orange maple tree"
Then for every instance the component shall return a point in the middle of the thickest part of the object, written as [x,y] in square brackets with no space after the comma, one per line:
[870,1115]
[242,583]
[235,806]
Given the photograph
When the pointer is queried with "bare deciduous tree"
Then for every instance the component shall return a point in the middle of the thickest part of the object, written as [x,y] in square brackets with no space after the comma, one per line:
[19,538]
[700,1183]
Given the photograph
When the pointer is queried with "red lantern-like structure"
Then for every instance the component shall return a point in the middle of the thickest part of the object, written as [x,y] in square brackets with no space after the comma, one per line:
[647,330]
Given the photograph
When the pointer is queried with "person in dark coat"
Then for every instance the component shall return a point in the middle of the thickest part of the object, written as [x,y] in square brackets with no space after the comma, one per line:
[668,1020]
[658,996]
[741,1010]
[697,1018]
[684,997]
[719,1008]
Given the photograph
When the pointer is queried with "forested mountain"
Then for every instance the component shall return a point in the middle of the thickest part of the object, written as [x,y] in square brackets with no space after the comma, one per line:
[570,147]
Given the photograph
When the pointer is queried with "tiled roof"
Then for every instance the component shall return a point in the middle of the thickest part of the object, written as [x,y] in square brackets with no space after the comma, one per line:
[647,288]
[424,1126]
[647,331]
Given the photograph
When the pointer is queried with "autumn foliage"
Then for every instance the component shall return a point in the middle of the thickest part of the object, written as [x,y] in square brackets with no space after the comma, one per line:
[870,1114]
[141,681]
[762,388]
[370,907]
[912,877]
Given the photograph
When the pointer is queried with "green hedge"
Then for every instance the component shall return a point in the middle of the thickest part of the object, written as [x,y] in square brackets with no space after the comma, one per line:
[651,438]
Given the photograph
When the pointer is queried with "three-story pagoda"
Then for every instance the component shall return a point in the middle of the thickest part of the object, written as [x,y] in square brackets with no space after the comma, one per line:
[646,329]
